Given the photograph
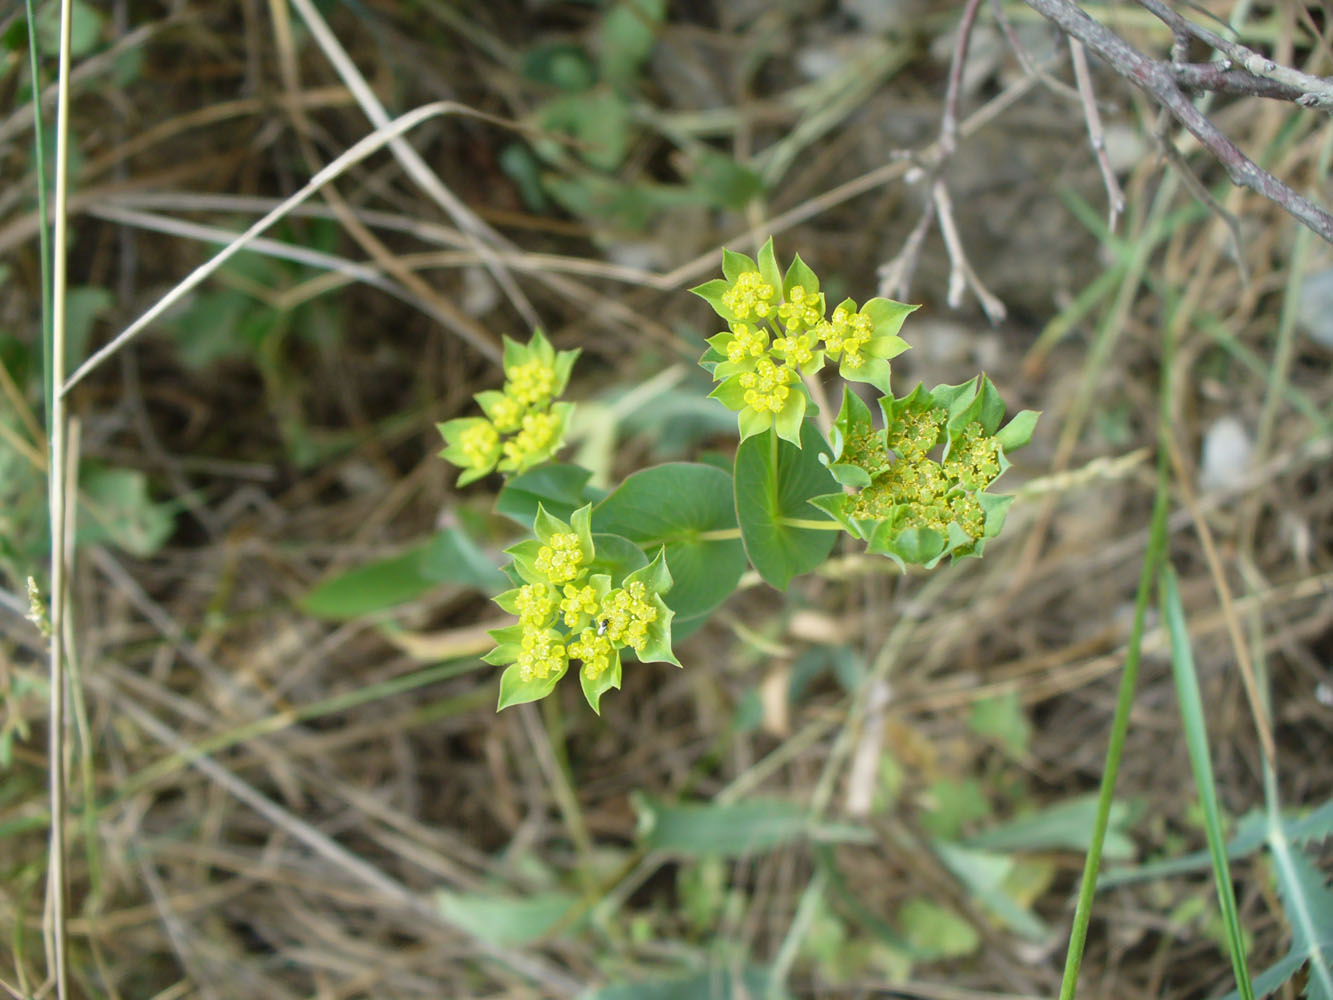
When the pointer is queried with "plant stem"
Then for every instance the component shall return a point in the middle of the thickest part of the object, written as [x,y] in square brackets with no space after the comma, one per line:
[809,524]
[57,429]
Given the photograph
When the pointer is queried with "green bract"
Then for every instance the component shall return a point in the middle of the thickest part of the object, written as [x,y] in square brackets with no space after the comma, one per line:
[915,480]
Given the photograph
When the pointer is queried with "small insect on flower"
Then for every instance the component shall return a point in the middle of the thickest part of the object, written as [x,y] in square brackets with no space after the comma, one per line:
[601,627]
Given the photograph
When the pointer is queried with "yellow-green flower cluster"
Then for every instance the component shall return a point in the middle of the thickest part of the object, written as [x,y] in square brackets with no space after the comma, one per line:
[778,332]
[916,489]
[524,424]
[568,611]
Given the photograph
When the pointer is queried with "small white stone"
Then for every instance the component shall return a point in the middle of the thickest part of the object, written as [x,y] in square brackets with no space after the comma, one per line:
[1226,454]
[479,294]
[1314,311]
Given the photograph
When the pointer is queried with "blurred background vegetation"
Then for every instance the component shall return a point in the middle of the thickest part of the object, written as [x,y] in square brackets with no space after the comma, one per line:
[287,776]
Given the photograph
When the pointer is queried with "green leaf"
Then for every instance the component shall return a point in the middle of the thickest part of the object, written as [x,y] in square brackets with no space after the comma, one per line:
[594,688]
[676,506]
[768,266]
[559,488]
[505,921]
[559,64]
[82,307]
[936,931]
[657,579]
[985,875]
[800,274]
[114,506]
[1196,741]
[1002,719]
[721,983]
[711,292]
[1308,904]
[597,120]
[1065,826]
[451,556]
[629,32]
[1251,833]
[85,28]
[776,480]
[954,804]
[616,556]
[717,830]
[720,181]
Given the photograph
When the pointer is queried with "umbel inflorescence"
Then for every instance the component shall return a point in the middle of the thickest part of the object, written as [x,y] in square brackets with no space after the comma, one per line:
[914,488]
[569,609]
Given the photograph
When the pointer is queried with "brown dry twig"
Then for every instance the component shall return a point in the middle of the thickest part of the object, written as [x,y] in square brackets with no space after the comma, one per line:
[1161,80]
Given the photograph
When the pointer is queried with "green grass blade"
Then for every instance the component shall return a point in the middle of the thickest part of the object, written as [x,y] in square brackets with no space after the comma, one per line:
[1196,739]
[1078,934]
[43,234]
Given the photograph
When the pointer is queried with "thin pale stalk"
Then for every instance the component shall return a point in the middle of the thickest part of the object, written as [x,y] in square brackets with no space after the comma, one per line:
[58,959]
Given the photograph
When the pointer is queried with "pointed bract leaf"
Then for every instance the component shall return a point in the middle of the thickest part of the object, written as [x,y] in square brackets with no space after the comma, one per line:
[1018,431]
[514,690]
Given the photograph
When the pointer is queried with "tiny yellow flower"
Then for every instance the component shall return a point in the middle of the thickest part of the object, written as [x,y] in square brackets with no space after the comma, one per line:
[578,601]
[750,296]
[767,387]
[507,413]
[535,602]
[531,383]
[746,342]
[561,559]
[542,654]
[536,433]
[627,613]
[802,309]
[479,443]
[594,650]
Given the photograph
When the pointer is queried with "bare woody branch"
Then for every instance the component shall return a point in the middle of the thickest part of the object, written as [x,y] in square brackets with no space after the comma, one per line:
[1158,78]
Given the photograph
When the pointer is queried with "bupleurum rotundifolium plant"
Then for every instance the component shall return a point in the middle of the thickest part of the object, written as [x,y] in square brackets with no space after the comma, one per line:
[914,489]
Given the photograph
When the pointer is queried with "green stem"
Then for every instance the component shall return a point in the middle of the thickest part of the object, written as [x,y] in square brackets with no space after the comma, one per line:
[809,524]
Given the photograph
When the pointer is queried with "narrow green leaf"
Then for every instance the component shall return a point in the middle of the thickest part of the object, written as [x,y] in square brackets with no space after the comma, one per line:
[505,921]
[984,874]
[775,481]
[717,830]
[453,556]
[721,983]
[449,557]
[1196,740]
[1064,826]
